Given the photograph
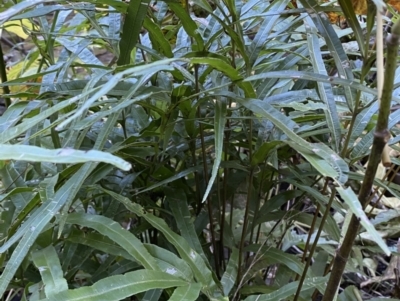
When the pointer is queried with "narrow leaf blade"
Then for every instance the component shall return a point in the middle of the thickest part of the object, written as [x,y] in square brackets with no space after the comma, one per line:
[48,264]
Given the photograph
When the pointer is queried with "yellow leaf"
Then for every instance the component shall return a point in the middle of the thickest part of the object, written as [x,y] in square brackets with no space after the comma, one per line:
[16,27]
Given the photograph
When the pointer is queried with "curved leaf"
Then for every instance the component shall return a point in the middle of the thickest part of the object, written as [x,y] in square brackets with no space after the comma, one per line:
[219,126]
[167,261]
[342,62]
[47,211]
[229,277]
[157,37]
[188,24]
[324,89]
[48,264]
[265,29]
[361,122]
[63,155]
[130,32]
[187,293]
[227,69]
[178,203]
[320,156]
[354,204]
[315,77]
[38,221]
[362,147]
[115,232]
[200,269]
[289,290]
[120,286]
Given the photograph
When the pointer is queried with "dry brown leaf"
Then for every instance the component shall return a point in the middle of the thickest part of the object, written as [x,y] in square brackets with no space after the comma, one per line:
[390,273]
[395,4]
[361,8]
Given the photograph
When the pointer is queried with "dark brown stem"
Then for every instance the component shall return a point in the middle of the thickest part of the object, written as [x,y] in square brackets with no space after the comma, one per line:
[381,137]
[3,75]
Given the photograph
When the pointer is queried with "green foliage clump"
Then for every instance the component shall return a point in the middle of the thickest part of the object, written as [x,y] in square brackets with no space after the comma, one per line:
[186,150]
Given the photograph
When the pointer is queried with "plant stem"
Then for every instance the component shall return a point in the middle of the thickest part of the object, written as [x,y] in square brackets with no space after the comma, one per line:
[381,137]
[3,75]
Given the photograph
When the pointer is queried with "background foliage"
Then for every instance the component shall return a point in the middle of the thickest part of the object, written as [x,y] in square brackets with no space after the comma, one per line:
[194,150]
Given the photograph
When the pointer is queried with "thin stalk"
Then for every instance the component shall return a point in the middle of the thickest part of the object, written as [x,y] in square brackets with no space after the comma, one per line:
[199,204]
[225,188]
[245,224]
[205,174]
[381,137]
[311,231]
[364,71]
[248,201]
[226,170]
[256,213]
[313,224]
[3,75]
[304,257]
[314,246]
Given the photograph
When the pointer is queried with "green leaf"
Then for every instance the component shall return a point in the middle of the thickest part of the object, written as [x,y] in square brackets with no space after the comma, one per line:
[324,89]
[120,287]
[175,177]
[28,123]
[157,37]
[228,70]
[115,232]
[342,62]
[219,126]
[315,77]
[42,216]
[152,295]
[331,165]
[12,115]
[174,264]
[273,256]
[40,219]
[188,24]
[137,71]
[319,265]
[354,204]
[4,16]
[361,122]
[137,11]
[187,293]
[284,123]
[6,217]
[200,269]
[352,20]
[178,203]
[274,203]
[11,177]
[99,242]
[166,260]
[264,31]
[63,155]
[362,147]
[261,154]
[336,167]
[48,264]
[289,290]
[228,279]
